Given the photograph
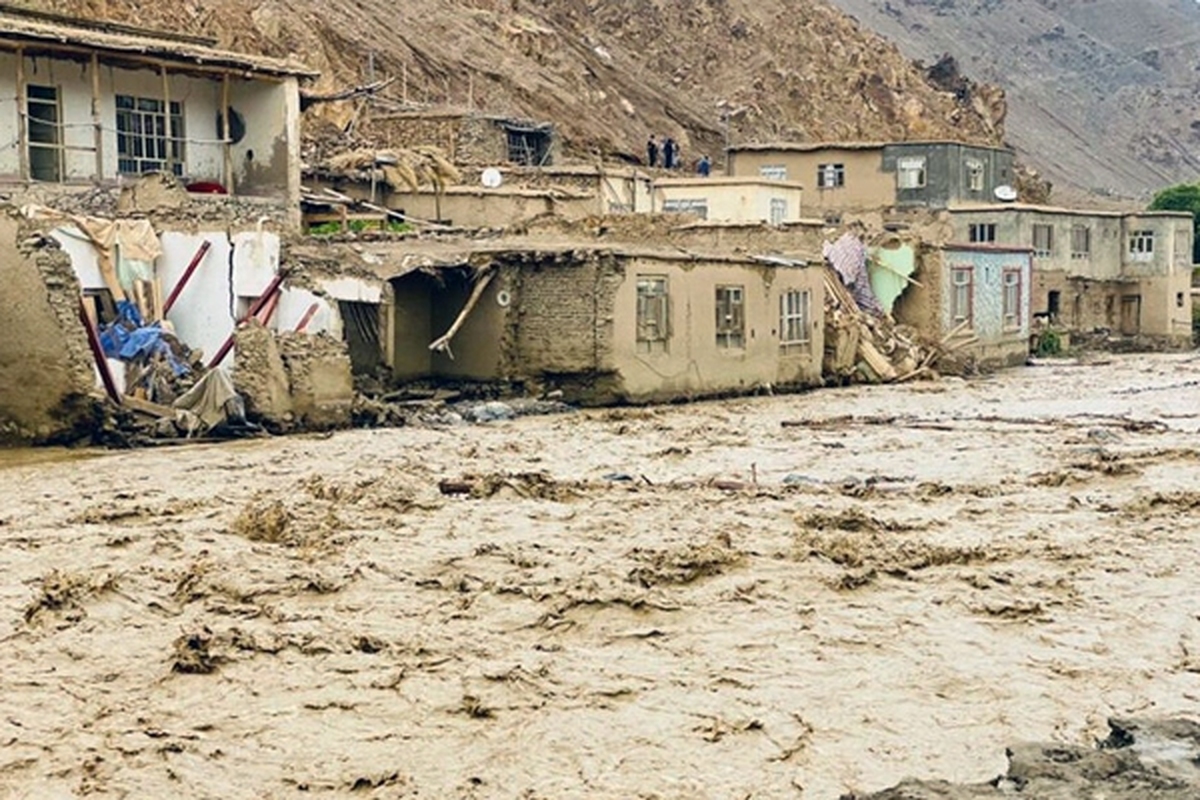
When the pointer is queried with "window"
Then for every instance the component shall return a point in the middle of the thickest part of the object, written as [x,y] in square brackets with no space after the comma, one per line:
[830,176]
[653,326]
[1012,299]
[1081,242]
[962,280]
[1141,246]
[793,320]
[982,232]
[697,207]
[773,172]
[529,147]
[778,211]
[1043,240]
[1053,303]
[975,179]
[731,317]
[144,143]
[45,138]
[910,172]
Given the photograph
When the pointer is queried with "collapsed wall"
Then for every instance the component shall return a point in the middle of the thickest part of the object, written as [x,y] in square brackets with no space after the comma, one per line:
[293,381]
[46,368]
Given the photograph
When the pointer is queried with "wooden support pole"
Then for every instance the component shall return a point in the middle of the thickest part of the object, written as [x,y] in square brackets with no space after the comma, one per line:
[187,276]
[227,147]
[307,318]
[97,124]
[442,343]
[110,386]
[166,84]
[255,307]
[22,118]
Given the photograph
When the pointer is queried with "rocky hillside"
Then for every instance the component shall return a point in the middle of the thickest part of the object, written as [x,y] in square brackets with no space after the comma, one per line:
[607,73]
[1103,93]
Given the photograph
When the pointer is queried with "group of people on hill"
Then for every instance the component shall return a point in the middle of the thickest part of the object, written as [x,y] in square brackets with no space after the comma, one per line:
[667,156]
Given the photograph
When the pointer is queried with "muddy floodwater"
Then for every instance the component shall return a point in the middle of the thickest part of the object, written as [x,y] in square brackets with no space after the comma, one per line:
[776,597]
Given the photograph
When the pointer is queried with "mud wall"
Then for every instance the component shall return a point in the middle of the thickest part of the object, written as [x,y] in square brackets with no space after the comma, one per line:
[692,362]
[46,368]
[566,309]
[320,379]
[867,186]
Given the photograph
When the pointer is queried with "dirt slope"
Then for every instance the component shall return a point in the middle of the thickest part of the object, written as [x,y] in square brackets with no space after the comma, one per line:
[1103,92]
[608,73]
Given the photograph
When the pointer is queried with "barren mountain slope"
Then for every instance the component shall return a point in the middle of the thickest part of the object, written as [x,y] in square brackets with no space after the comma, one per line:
[607,73]
[1103,92]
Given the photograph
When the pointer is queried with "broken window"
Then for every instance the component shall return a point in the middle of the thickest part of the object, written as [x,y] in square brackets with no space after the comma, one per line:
[1043,240]
[1141,245]
[793,320]
[778,211]
[653,325]
[962,282]
[45,133]
[910,172]
[1081,242]
[1012,299]
[145,143]
[831,176]
[529,146]
[982,232]
[773,172]
[360,330]
[678,206]
[731,317]
[975,179]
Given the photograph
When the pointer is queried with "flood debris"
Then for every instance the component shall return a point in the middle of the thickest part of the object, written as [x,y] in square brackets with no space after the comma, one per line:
[683,565]
[1142,759]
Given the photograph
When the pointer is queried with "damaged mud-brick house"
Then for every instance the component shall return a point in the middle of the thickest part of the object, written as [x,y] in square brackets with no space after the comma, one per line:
[873,176]
[601,325]
[507,196]
[1095,272]
[149,177]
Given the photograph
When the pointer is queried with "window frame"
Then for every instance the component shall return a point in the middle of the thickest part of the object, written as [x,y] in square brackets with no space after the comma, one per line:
[1086,252]
[956,318]
[773,172]
[981,232]
[163,148]
[911,172]
[730,308]
[56,146]
[1141,245]
[1048,230]
[779,211]
[976,175]
[836,172]
[795,316]
[653,311]
[1013,313]
[686,205]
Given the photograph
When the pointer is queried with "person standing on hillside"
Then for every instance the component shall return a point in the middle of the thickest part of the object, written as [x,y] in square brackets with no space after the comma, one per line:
[704,168]
[652,151]
[669,153]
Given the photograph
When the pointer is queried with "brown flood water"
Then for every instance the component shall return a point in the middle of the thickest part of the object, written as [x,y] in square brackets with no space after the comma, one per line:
[921,575]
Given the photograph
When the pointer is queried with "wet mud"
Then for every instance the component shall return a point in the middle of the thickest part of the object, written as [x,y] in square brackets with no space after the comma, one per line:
[806,597]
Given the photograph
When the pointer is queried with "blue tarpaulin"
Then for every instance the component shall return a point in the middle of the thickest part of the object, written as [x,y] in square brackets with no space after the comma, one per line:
[120,341]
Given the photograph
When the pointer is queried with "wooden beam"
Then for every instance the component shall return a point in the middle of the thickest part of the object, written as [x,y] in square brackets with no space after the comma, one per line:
[97,123]
[132,60]
[166,86]
[22,118]
[227,147]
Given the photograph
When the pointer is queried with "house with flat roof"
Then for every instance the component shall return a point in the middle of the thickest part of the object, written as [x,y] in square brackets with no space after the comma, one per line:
[1123,273]
[730,199]
[91,102]
[863,176]
[145,168]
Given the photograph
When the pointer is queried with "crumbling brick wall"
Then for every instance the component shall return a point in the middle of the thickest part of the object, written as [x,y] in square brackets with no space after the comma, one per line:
[566,313]
[320,377]
[46,366]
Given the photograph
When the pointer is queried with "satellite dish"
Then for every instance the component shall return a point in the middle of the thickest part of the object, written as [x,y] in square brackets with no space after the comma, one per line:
[492,178]
[1006,194]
